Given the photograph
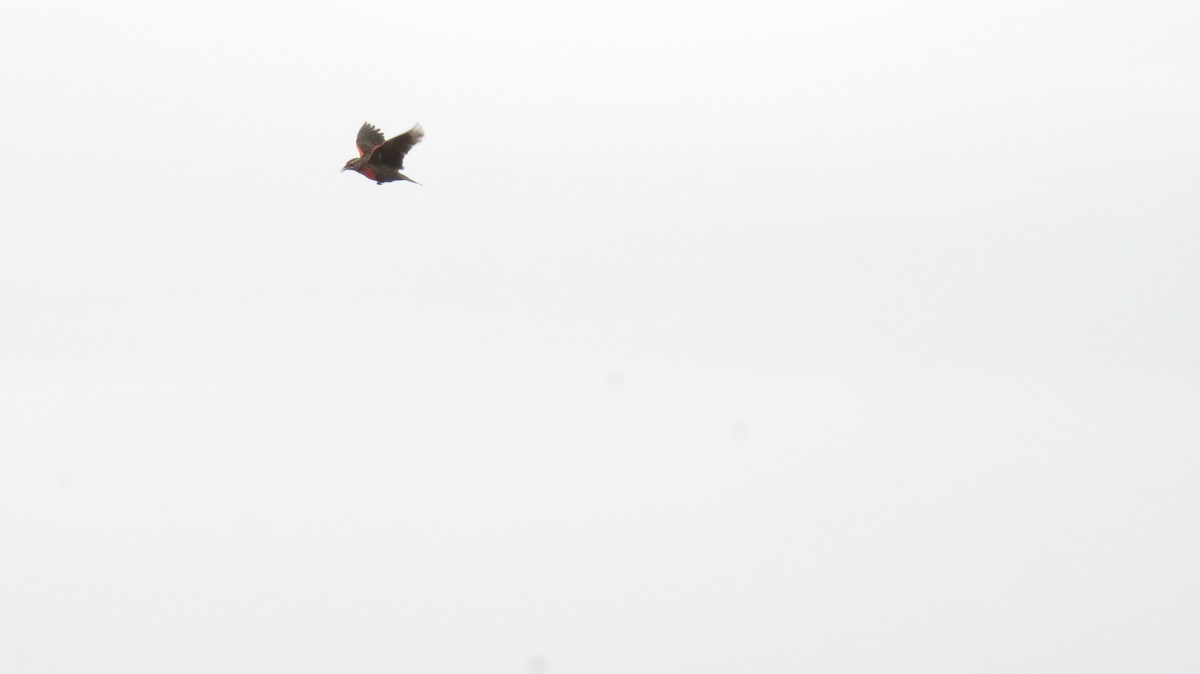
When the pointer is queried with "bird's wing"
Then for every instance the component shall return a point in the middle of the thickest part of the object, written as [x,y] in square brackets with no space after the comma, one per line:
[369,138]
[392,152]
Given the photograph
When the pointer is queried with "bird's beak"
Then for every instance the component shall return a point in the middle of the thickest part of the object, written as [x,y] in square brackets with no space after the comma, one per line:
[343,169]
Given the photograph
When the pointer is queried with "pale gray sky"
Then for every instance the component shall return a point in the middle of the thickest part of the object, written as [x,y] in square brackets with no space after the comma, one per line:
[759,336]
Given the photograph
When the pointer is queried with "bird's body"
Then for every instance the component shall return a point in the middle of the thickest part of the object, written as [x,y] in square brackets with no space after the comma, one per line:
[382,160]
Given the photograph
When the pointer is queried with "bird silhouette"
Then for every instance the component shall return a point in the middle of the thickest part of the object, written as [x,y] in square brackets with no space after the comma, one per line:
[382,160]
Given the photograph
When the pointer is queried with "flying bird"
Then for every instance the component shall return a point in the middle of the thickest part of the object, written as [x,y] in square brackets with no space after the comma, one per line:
[379,160]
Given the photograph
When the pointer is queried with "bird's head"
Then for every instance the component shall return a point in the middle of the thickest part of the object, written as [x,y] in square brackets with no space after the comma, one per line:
[352,164]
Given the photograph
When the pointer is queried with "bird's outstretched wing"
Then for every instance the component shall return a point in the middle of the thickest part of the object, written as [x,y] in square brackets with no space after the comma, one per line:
[369,138]
[392,153]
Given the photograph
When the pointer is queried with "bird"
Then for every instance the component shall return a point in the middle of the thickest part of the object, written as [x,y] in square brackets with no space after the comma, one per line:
[379,160]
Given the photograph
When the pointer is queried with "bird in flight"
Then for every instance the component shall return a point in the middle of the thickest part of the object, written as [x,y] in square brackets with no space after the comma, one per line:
[379,160]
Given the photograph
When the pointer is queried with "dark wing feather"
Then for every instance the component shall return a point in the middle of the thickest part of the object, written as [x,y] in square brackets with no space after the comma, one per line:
[391,153]
[369,138]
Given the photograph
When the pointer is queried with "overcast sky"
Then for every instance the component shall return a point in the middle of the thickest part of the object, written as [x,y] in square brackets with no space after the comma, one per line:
[720,337]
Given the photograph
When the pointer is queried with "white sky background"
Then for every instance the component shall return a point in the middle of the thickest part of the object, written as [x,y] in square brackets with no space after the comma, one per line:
[773,337]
